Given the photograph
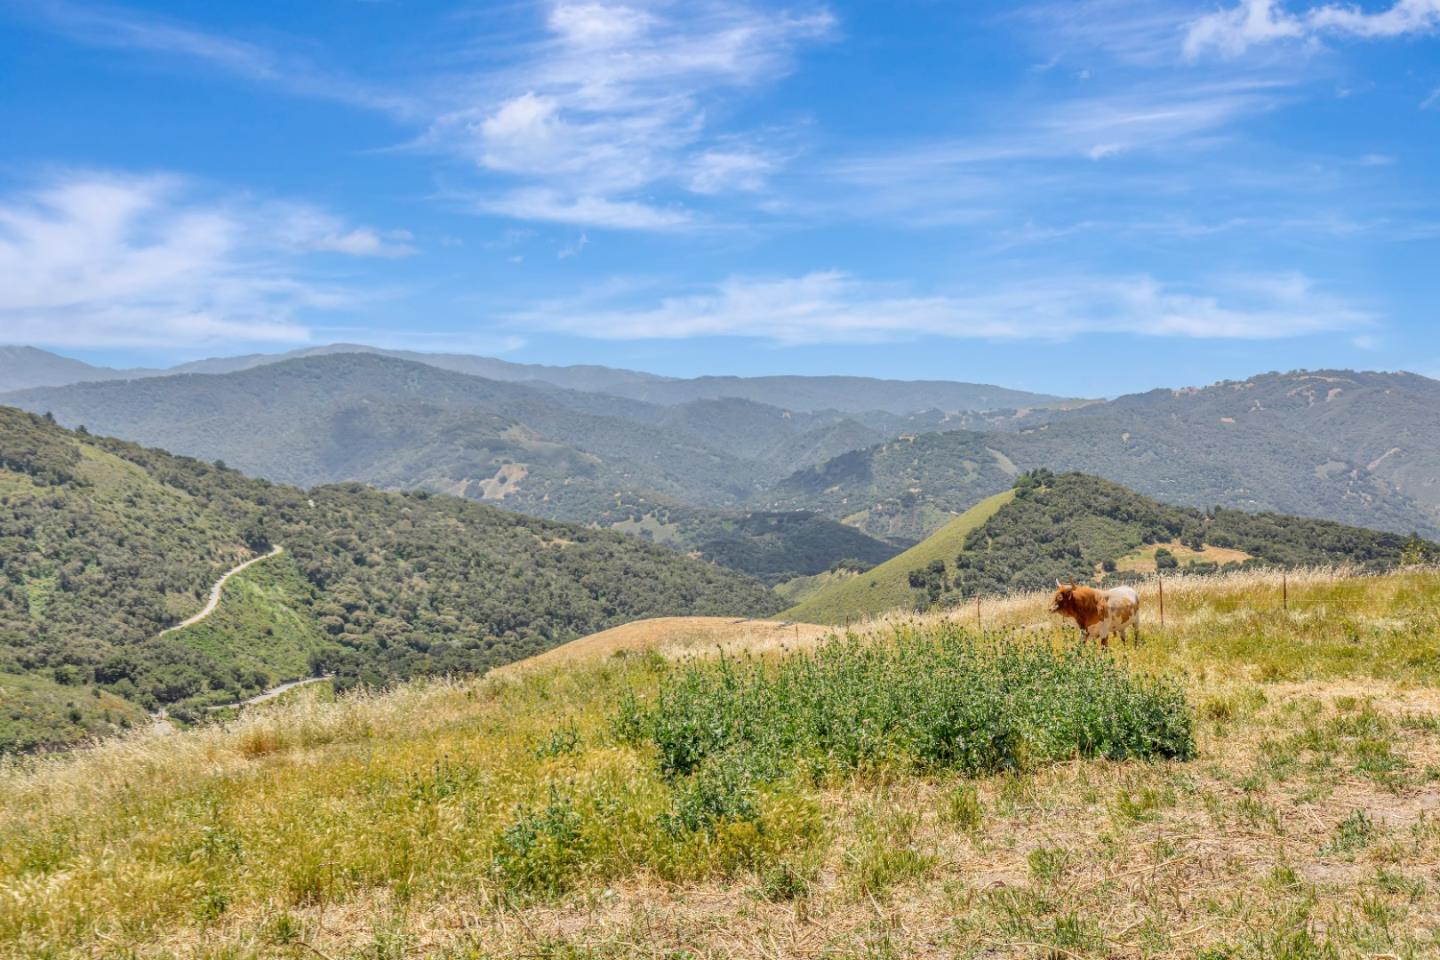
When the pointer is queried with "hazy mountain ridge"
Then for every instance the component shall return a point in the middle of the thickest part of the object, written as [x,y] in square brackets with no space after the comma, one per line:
[797,393]
[1304,443]
[22,368]
[1358,448]
[846,394]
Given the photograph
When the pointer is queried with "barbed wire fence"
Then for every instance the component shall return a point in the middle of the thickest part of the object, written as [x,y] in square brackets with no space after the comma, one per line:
[1284,598]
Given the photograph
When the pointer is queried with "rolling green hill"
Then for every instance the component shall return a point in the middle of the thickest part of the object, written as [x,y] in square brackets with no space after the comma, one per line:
[887,586]
[103,544]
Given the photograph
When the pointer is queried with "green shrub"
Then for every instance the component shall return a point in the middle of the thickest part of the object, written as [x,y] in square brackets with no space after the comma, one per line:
[930,699]
[538,851]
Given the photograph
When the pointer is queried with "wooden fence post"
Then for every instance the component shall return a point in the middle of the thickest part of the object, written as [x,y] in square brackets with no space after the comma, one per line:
[977,612]
[1162,599]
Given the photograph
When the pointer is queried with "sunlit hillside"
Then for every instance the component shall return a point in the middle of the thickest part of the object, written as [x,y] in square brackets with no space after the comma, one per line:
[887,586]
[1254,779]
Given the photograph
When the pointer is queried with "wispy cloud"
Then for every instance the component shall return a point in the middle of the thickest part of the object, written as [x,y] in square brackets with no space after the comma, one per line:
[1061,145]
[582,122]
[615,100]
[1144,33]
[832,306]
[94,259]
[1232,31]
[120,28]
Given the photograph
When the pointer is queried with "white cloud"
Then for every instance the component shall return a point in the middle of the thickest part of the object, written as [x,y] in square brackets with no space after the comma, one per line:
[618,99]
[1432,100]
[1251,23]
[723,170]
[832,306]
[1132,32]
[557,206]
[307,229]
[93,259]
[573,249]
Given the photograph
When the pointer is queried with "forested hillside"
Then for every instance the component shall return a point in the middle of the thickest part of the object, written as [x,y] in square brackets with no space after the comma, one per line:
[551,453]
[104,543]
[1356,448]
[1082,528]
[772,546]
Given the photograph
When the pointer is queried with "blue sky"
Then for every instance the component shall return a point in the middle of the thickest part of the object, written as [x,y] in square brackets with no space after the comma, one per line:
[1085,197]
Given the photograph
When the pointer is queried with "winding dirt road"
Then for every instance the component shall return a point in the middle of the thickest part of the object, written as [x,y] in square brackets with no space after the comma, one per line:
[217,590]
[271,694]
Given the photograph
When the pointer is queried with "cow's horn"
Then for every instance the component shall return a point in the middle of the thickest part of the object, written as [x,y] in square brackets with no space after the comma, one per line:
[1057,581]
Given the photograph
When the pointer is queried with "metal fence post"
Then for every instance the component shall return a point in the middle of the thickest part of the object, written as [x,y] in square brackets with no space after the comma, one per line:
[1162,598]
[1284,591]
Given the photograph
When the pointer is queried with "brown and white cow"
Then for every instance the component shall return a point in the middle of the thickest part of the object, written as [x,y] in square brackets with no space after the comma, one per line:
[1099,613]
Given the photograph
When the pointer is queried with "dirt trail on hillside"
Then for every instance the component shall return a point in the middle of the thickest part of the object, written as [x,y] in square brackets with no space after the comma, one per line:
[272,693]
[219,589]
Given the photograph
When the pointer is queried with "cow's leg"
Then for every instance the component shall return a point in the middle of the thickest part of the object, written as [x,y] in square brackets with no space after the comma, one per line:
[1135,627]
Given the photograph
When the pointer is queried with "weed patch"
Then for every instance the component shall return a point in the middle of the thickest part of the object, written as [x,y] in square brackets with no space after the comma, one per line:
[923,700]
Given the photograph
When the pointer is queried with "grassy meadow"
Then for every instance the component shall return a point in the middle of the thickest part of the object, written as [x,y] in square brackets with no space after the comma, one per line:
[1247,782]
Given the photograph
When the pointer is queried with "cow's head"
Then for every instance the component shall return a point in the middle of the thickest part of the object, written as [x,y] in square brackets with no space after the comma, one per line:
[1064,599]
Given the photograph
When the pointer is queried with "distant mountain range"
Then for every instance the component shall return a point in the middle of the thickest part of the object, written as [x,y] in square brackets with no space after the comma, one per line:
[1359,448]
[25,367]
[667,460]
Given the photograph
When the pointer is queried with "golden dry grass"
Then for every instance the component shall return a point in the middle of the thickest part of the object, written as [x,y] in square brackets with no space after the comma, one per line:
[674,637]
[1309,827]
[1143,559]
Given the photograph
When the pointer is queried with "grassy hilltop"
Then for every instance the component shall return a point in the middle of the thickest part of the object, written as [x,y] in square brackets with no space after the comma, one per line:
[1248,783]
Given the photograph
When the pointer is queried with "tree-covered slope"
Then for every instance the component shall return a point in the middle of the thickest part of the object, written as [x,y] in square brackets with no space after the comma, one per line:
[1356,448]
[103,544]
[552,453]
[774,546]
[903,489]
[1078,527]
